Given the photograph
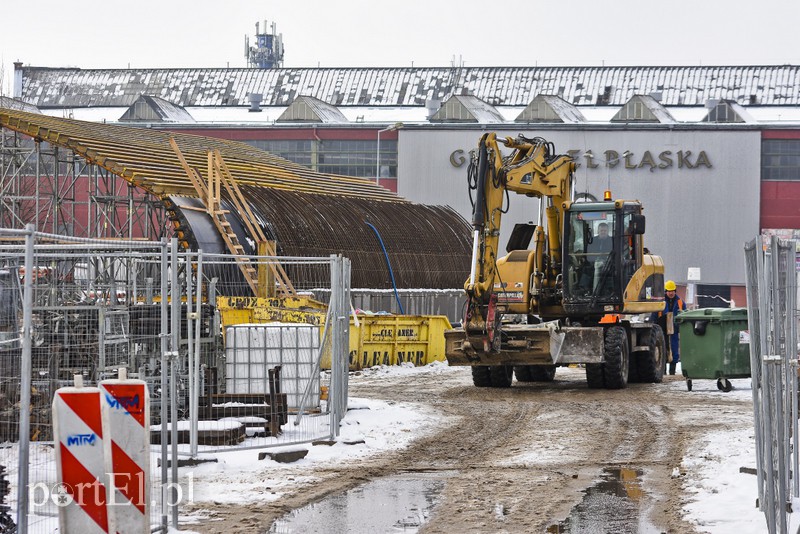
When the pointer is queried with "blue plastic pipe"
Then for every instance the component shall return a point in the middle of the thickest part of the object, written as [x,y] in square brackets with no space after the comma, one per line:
[389,265]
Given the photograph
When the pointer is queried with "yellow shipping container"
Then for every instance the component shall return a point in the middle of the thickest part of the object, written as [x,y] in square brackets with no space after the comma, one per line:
[377,340]
[395,339]
[242,310]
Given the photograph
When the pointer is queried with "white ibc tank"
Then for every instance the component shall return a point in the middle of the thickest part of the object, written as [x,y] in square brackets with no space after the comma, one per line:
[251,350]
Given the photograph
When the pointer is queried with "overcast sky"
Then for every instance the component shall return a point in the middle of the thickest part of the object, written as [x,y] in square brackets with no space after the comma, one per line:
[364,33]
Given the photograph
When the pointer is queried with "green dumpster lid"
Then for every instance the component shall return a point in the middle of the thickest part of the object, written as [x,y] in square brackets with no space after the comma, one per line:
[713,314]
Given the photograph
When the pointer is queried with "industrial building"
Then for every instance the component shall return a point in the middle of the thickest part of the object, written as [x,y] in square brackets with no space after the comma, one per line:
[713,152]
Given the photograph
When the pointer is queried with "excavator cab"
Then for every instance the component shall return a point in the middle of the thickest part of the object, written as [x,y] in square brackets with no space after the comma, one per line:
[602,255]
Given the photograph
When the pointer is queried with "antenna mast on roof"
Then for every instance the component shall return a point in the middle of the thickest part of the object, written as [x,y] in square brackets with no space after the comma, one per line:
[268,51]
[456,68]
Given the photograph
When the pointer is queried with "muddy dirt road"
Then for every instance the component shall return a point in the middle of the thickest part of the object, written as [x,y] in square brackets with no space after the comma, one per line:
[519,459]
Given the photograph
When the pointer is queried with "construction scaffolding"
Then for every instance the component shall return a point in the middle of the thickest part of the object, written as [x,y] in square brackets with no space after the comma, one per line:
[60,192]
[107,181]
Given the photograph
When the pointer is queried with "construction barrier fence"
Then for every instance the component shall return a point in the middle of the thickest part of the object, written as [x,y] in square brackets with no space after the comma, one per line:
[67,317]
[79,313]
[287,335]
[772,320]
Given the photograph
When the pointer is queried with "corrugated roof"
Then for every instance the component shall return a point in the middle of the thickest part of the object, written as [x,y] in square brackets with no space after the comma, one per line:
[13,103]
[499,86]
[144,158]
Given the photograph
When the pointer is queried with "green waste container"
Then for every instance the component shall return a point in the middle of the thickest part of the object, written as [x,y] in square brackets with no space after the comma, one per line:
[715,344]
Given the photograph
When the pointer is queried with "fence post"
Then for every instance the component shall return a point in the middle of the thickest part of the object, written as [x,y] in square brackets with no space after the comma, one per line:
[791,359]
[25,385]
[194,371]
[173,378]
[778,339]
[333,304]
[164,338]
[346,277]
[190,352]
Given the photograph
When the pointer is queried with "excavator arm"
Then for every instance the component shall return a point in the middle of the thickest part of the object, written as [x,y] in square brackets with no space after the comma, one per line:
[532,169]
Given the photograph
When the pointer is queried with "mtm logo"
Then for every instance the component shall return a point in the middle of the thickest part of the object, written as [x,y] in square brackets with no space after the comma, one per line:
[77,440]
[129,404]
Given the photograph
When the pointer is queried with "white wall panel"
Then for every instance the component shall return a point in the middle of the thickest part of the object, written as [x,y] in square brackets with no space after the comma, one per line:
[696,217]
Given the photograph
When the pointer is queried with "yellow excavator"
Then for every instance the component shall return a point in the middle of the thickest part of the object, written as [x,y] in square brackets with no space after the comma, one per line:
[574,297]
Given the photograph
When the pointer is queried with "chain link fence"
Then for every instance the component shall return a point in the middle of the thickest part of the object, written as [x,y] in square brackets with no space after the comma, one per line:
[225,371]
[772,316]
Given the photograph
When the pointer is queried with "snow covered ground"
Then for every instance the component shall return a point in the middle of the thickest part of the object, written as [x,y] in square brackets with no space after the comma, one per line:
[721,498]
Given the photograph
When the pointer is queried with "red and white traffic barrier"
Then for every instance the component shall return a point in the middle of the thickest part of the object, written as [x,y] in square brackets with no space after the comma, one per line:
[126,420]
[80,459]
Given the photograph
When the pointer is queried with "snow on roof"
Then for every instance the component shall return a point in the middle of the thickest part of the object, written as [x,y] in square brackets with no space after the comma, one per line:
[467,108]
[154,109]
[310,109]
[763,85]
[380,116]
[774,114]
[14,103]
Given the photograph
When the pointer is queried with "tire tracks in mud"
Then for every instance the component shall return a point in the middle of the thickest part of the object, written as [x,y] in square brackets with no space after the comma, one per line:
[517,459]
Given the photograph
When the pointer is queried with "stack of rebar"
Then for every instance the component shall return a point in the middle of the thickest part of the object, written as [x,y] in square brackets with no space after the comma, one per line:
[389,243]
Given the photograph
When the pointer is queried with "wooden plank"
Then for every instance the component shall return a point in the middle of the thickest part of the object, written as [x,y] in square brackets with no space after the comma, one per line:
[223,227]
[250,221]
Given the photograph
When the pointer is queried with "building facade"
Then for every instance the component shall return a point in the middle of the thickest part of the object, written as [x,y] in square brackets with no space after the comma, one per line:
[712,152]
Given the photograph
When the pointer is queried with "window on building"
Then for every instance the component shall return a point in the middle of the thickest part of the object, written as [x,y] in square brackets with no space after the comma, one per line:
[337,156]
[780,159]
[298,151]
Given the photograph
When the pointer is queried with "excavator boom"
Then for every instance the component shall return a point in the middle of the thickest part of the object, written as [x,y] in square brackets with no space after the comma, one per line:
[532,169]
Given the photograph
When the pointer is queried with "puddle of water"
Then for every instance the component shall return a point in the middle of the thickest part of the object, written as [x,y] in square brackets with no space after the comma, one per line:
[393,504]
[612,505]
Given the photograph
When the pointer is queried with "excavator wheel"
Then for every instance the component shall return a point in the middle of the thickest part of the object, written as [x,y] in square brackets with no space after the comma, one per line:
[481,376]
[543,373]
[523,373]
[535,373]
[502,375]
[594,375]
[615,368]
[650,364]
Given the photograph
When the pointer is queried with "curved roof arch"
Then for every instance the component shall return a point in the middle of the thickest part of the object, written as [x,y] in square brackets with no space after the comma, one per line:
[307,213]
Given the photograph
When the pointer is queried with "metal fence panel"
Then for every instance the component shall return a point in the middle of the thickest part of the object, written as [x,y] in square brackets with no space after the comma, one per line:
[84,308]
[772,316]
[67,309]
[237,407]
